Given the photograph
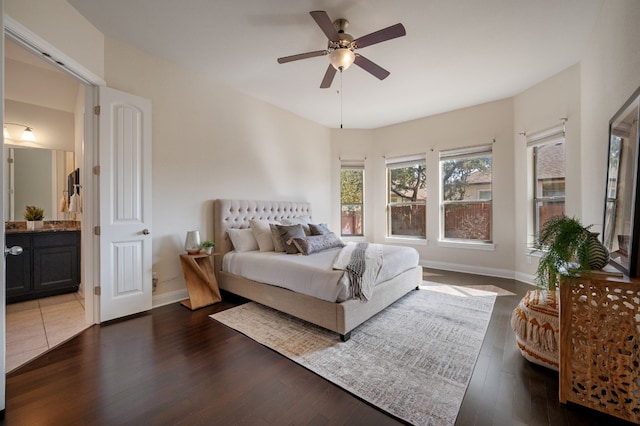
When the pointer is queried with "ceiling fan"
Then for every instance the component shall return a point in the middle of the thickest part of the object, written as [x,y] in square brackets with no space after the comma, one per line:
[341,47]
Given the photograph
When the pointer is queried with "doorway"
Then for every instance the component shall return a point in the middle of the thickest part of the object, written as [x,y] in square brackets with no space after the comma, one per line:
[51,103]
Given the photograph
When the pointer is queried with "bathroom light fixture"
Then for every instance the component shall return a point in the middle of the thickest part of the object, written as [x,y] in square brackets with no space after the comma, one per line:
[27,134]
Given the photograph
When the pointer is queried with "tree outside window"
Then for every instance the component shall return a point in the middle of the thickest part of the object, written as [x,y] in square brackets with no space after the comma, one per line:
[352,200]
[466,193]
[406,183]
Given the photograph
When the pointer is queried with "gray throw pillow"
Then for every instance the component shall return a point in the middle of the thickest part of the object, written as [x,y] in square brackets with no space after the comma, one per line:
[302,220]
[288,233]
[319,229]
[317,243]
[278,245]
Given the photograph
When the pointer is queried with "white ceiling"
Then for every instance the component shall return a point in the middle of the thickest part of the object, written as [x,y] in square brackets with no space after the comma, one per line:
[456,53]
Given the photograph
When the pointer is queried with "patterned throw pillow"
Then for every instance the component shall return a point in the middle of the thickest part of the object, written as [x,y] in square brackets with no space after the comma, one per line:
[288,233]
[319,229]
[317,243]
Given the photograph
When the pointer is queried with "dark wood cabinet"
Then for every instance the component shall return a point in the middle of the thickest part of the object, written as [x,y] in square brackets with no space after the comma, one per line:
[49,265]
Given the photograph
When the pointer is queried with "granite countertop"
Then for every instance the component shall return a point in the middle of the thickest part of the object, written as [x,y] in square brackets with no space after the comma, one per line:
[48,226]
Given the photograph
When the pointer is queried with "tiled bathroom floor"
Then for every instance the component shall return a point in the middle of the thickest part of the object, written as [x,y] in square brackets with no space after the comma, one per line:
[35,326]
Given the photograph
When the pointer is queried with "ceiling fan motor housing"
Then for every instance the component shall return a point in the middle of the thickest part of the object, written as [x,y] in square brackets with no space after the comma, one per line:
[341,47]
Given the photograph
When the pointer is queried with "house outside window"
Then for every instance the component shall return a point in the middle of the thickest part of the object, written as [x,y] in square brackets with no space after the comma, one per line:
[352,198]
[466,198]
[548,175]
[407,197]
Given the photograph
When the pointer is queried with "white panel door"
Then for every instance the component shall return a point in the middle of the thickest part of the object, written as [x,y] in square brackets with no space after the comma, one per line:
[125,204]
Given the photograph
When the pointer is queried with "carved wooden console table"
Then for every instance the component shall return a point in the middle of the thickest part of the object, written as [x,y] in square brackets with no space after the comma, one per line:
[600,345]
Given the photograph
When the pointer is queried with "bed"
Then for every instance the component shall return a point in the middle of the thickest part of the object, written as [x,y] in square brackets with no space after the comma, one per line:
[341,316]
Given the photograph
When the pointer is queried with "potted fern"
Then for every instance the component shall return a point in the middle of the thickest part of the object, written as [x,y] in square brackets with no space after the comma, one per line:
[567,248]
[34,216]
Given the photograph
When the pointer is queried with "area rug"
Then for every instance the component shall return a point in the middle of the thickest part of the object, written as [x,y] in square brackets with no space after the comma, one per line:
[413,360]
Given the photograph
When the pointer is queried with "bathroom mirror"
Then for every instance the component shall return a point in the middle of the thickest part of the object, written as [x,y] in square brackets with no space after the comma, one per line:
[36,176]
[622,215]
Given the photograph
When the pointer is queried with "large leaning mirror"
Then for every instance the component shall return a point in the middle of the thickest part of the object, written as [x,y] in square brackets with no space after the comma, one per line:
[621,217]
[36,176]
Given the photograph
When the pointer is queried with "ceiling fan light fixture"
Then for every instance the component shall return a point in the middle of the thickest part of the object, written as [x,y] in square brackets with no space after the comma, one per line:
[342,58]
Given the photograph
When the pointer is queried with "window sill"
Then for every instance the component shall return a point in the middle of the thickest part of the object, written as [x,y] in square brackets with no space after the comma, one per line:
[407,241]
[467,245]
[355,238]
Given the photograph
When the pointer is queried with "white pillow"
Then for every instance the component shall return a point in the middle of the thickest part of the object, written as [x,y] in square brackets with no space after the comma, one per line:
[262,233]
[242,239]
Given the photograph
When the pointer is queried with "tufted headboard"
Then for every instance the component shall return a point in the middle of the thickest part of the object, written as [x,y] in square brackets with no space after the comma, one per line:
[237,214]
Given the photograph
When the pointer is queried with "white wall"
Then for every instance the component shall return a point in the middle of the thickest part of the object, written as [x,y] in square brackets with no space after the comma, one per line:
[210,141]
[538,108]
[477,125]
[610,74]
[63,27]
[53,128]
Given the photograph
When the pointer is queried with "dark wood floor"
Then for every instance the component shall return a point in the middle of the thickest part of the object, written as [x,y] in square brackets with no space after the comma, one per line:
[173,366]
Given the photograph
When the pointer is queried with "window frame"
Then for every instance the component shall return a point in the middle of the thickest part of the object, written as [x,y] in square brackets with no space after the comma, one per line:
[466,153]
[551,136]
[398,163]
[353,165]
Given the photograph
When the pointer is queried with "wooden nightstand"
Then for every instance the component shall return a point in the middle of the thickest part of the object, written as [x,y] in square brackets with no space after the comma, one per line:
[200,281]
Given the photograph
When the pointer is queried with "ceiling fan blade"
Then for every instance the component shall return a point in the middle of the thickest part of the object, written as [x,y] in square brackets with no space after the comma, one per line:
[328,77]
[379,36]
[371,67]
[299,56]
[325,24]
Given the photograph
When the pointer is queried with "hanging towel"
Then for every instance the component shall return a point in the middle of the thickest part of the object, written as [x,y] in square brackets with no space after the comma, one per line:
[73,203]
[63,208]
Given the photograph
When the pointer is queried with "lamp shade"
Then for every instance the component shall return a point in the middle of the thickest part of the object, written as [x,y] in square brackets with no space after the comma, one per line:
[28,135]
[342,58]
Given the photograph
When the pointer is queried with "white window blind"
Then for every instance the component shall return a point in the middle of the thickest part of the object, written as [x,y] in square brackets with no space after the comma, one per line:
[352,164]
[466,152]
[404,161]
[551,135]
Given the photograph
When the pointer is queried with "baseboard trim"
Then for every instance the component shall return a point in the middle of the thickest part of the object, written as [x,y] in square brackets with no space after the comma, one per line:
[526,278]
[470,269]
[169,297]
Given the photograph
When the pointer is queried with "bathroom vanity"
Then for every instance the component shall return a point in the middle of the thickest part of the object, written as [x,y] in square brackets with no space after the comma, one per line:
[49,264]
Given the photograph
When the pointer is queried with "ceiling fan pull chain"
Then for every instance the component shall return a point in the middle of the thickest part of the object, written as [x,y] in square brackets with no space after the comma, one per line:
[341,98]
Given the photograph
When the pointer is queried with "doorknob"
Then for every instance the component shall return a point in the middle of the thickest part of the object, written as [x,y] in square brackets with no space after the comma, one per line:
[14,251]
[145,232]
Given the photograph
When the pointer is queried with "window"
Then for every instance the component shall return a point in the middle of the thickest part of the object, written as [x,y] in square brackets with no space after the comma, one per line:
[352,198]
[407,197]
[548,174]
[466,193]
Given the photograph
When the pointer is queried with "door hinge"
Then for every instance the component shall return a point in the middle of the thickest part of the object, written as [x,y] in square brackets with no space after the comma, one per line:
[97,290]
[96,170]
[96,110]
[10,160]
[96,230]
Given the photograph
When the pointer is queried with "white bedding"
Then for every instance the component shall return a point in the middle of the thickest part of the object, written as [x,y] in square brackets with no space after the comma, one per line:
[312,275]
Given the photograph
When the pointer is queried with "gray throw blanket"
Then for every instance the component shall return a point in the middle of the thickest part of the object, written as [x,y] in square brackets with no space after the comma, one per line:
[362,263]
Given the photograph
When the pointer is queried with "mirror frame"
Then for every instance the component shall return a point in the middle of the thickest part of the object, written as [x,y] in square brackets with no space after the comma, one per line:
[623,216]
